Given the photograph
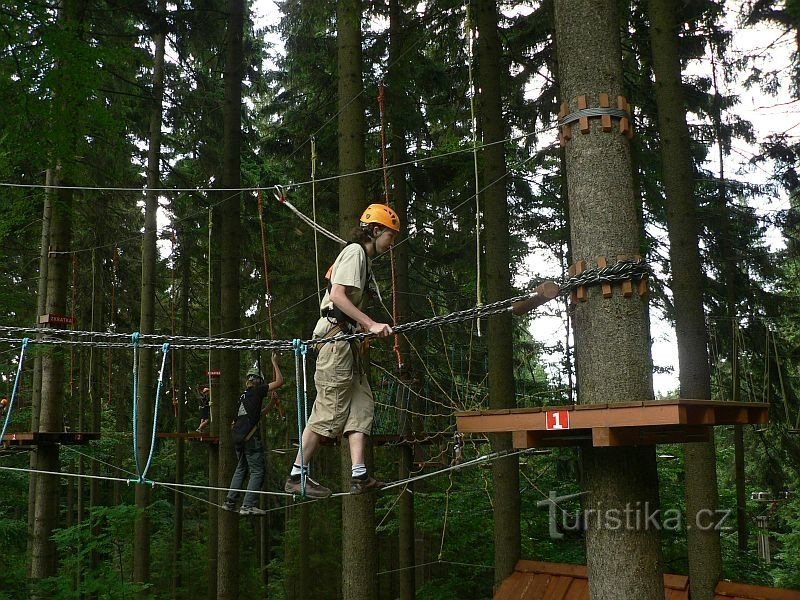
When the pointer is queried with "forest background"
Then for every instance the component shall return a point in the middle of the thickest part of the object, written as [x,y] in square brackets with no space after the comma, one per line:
[120,199]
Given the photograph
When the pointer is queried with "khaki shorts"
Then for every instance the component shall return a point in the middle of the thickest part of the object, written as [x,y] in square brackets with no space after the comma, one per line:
[344,402]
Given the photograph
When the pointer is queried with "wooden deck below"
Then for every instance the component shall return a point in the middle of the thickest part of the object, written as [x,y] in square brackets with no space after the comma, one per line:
[621,424]
[35,438]
[535,580]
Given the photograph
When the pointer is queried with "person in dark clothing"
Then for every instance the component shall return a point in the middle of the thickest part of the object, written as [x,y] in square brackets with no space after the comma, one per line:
[246,436]
[205,407]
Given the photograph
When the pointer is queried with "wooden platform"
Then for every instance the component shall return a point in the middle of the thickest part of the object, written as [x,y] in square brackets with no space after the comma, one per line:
[535,580]
[613,424]
[193,436]
[35,438]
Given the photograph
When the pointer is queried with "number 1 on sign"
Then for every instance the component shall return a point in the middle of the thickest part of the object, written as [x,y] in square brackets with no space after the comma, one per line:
[557,419]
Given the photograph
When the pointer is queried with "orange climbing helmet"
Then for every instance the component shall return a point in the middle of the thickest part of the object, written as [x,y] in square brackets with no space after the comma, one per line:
[381,214]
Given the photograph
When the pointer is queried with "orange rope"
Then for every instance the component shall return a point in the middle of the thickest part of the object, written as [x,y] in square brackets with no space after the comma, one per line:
[275,398]
[382,105]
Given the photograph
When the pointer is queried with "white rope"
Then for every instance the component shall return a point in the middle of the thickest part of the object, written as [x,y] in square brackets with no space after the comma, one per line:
[472,95]
[314,211]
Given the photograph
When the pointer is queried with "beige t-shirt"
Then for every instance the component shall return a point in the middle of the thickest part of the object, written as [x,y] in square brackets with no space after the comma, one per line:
[350,270]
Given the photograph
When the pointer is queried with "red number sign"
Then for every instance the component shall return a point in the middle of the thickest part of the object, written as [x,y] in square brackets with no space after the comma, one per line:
[557,419]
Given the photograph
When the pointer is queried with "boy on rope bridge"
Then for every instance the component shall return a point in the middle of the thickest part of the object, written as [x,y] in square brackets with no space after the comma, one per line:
[246,435]
[344,404]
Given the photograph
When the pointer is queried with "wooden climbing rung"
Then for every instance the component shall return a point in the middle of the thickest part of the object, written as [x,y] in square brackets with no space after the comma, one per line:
[35,438]
[613,424]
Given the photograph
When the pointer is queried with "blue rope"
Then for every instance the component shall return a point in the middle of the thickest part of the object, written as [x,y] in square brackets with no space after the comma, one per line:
[141,473]
[135,337]
[165,350]
[299,354]
[14,390]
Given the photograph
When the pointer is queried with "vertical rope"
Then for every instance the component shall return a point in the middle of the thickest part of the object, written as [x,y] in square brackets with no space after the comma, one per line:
[473,93]
[165,351]
[314,213]
[780,379]
[14,389]
[172,294]
[765,381]
[135,341]
[90,375]
[299,385]
[114,263]
[72,326]
[268,299]
[382,110]
[208,374]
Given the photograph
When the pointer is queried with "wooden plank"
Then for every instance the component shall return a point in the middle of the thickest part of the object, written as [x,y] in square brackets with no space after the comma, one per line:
[578,590]
[513,587]
[676,582]
[635,415]
[538,586]
[551,439]
[564,569]
[755,592]
[18,438]
[645,436]
[557,588]
[591,406]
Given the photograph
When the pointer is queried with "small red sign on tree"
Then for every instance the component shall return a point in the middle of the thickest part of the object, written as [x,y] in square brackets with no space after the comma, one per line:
[557,419]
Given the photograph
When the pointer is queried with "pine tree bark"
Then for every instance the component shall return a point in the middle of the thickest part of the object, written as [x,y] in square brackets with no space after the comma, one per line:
[705,554]
[185,270]
[499,338]
[44,560]
[214,329]
[623,562]
[141,540]
[36,386]
[230,302]
[359,564]
[396,108]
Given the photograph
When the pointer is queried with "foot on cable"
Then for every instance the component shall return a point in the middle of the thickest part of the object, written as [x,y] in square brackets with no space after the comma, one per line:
[252,511]
[365,483]
[313,489]
[229,506]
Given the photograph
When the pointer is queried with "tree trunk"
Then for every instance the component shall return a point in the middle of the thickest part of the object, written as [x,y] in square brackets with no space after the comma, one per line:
[230,309]
[608,331]
[214,328]
[397,106]
[44,561]
[359,564]
[184,267]
[705,554]
[36,386]
[141,542]
[499,338]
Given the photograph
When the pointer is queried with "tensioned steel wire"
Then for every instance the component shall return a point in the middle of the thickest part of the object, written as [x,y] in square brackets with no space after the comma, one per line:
[624,270]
